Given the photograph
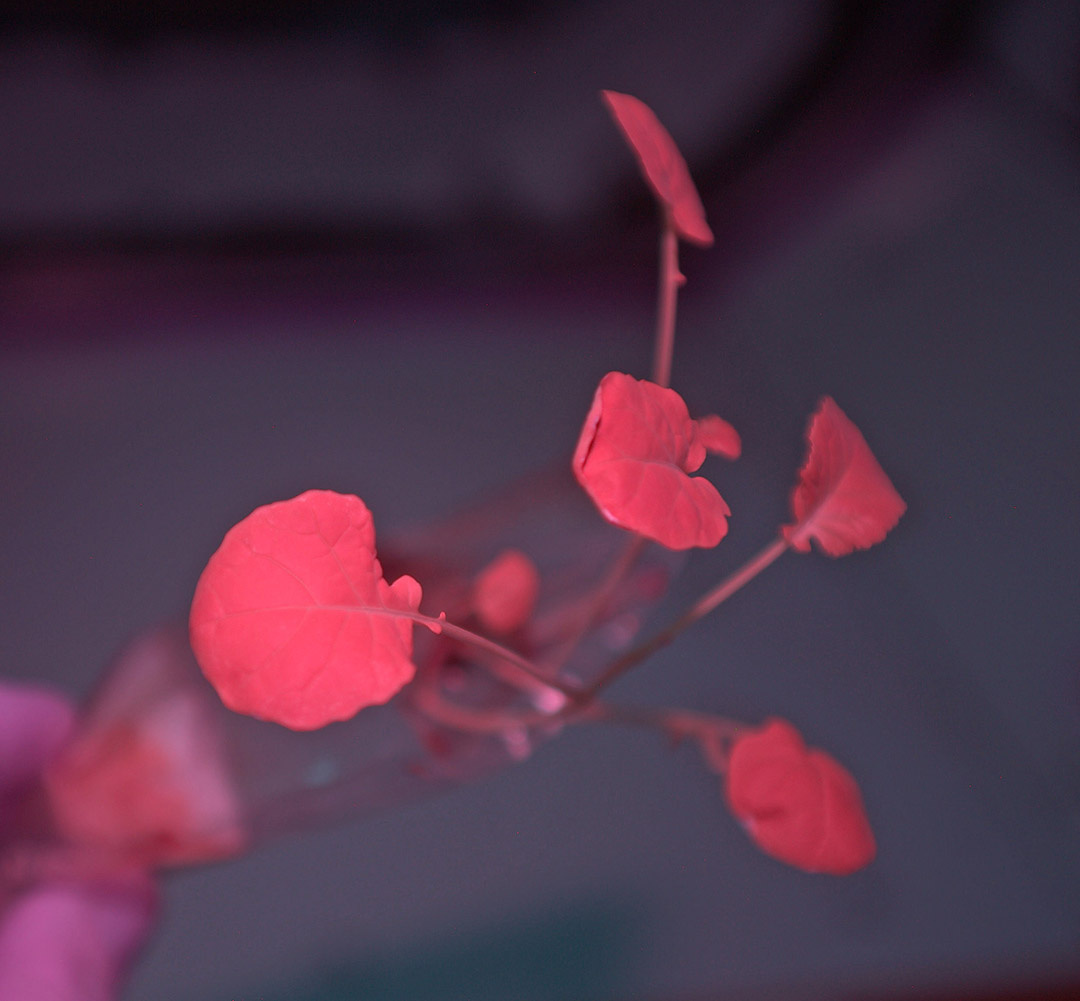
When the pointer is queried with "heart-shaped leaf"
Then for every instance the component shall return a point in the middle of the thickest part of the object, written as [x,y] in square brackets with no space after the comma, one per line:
[798,804]
[505,591]
[633,458]
[662,165]
[292,620]
[843,500]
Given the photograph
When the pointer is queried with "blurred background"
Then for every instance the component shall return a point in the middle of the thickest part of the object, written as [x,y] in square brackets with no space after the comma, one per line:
[389,249]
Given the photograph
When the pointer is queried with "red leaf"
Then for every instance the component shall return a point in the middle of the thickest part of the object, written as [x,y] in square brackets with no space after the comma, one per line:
[662,165]
[292,620]
[799,805]
[843,500]
[635,451]
[505,591]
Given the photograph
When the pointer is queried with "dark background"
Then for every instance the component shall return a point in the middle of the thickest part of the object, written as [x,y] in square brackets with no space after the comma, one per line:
[390,249]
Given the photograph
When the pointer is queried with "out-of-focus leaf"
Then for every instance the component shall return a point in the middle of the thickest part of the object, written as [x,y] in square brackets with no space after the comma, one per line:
[34,723]
[505,591]
[145,774]
[798,804]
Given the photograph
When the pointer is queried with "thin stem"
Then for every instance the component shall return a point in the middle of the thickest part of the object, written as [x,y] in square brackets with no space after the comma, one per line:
[469,720]
[727,587]
[508,656]
[671,280]
[595,603]
[676,723]
[460,633]
[724,590]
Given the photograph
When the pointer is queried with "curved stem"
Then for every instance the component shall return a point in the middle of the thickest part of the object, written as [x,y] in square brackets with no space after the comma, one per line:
[460,633]
[467,636]
[505,654]
[678,724]
[724,590]
[468,720]
[671,279]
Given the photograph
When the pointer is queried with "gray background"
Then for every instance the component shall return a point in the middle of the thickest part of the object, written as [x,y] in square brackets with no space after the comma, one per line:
[240,265]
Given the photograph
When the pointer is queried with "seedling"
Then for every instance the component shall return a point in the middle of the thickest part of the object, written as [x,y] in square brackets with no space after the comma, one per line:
[295,622]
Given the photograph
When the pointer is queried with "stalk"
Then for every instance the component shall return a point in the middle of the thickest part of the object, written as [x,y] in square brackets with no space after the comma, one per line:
[724,590]
[671,280]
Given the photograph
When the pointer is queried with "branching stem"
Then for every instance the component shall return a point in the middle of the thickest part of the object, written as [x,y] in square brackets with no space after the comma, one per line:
[724,590]
[676,724]
[582,699]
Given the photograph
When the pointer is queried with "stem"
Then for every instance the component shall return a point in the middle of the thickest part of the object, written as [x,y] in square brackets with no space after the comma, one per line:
[724,590]
[598,599]
[436,625]
[468,720]
[671,279]
[676,723]
[508,656]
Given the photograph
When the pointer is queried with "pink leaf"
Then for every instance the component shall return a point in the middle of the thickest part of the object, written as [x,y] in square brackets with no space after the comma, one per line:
[69,940]
[798,804]
[292,620]
[35,723]
[662,165]
[505,591]
[844,500]
[633,458]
